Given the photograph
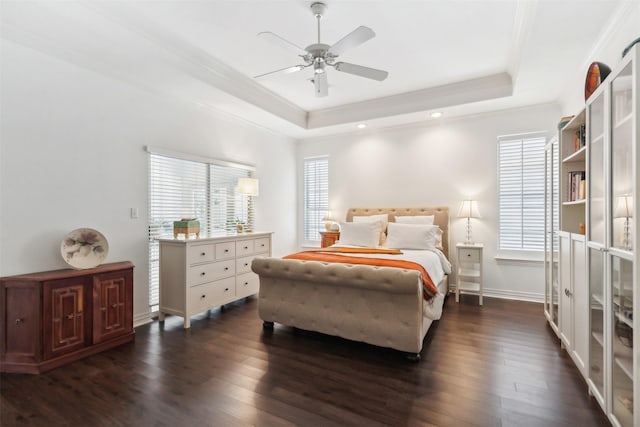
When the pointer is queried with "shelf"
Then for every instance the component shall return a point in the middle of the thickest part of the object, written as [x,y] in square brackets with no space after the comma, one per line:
[468,272]
[626,364]
[599,338]
[469,287]
[598,298]
[575,202]
[577,156]
[626,120]
[624,319]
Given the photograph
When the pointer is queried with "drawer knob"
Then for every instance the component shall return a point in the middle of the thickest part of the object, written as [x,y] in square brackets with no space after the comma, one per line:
[246,283]
[262,245]
[203,253]
[226,289]
[226,251]
[246,247]
[226,269]
[114,305]
[203,273]
[468,254]
[246,264]
[18,321]
[70,316]
[203,296]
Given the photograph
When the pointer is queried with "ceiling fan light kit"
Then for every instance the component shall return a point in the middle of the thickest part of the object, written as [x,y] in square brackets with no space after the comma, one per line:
[319,55]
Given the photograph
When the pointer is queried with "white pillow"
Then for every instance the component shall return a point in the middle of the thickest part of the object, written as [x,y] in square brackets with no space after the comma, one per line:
[411,236]
[360,234]
[383,219]
[415,219]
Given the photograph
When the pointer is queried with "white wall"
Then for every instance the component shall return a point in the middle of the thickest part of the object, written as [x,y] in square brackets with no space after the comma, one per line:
[72,155]
[438,163]
[614,39]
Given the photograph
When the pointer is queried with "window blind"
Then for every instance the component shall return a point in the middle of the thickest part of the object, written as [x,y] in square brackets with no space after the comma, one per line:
[182,188]
[521,192]
[316,196]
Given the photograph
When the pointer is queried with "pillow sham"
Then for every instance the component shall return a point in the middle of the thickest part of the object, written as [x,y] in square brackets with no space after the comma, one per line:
[415,219]
[411,236]
[360,234]
[383,219]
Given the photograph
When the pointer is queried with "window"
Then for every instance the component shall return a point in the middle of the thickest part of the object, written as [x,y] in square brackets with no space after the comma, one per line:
[521,192]
[316,196]
[195,188]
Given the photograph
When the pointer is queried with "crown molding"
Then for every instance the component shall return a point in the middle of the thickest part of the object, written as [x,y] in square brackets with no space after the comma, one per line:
[464,92]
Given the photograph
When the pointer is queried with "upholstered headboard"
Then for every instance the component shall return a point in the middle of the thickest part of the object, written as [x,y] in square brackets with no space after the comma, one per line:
[440,213]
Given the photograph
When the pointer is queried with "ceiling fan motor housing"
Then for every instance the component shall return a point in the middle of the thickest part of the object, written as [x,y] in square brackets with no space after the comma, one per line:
[318,9]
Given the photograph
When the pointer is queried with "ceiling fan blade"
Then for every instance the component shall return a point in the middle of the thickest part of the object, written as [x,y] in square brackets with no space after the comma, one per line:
[287,70]
[353,39]
[284,43]
[321,85]
[359,70]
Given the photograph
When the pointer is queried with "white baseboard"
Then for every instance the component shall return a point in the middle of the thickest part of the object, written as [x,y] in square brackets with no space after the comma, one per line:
[142,319]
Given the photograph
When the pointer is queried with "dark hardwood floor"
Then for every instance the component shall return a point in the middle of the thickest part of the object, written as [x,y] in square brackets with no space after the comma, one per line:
[496,365]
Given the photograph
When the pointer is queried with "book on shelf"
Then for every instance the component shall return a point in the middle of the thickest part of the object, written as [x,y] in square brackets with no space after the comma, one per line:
[577,186]
[579,138]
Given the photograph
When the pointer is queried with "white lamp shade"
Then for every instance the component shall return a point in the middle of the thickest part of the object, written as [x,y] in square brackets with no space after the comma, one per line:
[327,216]
[624,207]
[469,209]
[248,186]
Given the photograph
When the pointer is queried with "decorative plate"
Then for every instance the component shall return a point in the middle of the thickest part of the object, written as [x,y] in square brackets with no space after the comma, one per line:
[84,248]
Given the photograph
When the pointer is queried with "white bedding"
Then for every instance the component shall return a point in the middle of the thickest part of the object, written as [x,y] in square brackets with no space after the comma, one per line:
[433,260]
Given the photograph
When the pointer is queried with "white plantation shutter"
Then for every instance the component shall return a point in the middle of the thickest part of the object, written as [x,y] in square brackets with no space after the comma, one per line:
[186,188]
[521,192]
[316,196]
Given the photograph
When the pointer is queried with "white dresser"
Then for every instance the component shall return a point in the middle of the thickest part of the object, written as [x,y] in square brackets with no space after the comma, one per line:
[199,274]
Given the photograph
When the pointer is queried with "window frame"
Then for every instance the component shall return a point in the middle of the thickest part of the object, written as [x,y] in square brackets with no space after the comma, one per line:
[310,233]
[159,226]
[526,252]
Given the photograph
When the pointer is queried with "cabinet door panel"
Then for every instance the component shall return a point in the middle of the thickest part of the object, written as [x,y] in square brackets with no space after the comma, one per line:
[113,304]
[21,323]
[64,319]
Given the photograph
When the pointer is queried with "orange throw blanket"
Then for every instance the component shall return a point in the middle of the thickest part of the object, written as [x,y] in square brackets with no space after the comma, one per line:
[429,289]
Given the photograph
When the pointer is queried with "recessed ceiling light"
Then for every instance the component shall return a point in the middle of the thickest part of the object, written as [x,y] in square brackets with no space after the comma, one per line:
[362,126]
[436,114]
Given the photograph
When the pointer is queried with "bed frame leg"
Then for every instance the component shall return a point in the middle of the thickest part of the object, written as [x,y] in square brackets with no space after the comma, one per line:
[267,326]
[413,357]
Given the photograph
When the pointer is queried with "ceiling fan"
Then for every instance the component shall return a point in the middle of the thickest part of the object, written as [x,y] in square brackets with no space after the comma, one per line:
[320,55]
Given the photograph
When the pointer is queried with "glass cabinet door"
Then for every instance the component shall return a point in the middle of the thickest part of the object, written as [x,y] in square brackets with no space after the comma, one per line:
[596,303]
[622,336]
[622,160]
[551,230]
[596,178]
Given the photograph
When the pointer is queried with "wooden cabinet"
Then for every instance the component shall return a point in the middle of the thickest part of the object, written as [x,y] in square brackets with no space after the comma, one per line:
[329,238]
[52,318]
[197,275]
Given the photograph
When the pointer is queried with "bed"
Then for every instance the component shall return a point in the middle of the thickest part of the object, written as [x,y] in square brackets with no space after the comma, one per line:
[380,305]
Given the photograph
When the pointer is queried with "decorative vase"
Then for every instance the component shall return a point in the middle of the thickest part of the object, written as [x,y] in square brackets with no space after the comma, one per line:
[595,75]
[240,228]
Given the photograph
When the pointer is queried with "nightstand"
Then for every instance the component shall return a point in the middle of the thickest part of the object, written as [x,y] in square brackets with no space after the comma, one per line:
[469,272]
[329,238]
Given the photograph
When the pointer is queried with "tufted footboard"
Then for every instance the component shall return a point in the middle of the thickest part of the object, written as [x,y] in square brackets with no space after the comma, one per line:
[377,305]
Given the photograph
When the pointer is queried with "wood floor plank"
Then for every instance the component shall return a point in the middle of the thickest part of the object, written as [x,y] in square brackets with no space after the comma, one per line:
[493,365]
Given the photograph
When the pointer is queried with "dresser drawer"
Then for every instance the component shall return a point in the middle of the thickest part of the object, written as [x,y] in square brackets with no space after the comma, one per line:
[212,271]
[200,253]
[469,255]
[247,284]
[211,294]
[225,250]
[261,245]
[244,247]
[243,265]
